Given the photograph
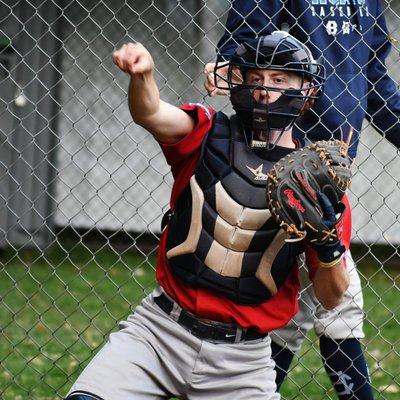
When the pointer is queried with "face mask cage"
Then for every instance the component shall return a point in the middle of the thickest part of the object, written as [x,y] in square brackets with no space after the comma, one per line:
[280,52]
[236,75]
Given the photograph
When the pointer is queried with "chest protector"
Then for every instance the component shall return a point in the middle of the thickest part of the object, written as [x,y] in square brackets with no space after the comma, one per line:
[221,235]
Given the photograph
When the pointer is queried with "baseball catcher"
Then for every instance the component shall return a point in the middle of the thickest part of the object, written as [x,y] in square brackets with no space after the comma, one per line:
[227,275]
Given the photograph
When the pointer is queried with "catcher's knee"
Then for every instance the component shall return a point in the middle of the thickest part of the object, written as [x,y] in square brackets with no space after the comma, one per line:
[82,396]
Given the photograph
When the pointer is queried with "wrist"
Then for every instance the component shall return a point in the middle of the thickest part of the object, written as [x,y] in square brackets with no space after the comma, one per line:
[331,264]
[329,254]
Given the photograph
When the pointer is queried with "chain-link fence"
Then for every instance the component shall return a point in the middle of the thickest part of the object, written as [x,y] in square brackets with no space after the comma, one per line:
[83,188]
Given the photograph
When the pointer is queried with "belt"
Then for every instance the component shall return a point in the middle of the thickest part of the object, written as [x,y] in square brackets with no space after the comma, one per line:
[204,328]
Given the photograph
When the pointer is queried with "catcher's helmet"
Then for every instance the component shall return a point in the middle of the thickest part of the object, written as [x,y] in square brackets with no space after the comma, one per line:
[277,51]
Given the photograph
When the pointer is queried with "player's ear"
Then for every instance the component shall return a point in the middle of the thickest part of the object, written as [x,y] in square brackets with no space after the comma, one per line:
[310,102]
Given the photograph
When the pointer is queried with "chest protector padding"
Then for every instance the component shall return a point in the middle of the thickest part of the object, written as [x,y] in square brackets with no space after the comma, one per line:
[221,236]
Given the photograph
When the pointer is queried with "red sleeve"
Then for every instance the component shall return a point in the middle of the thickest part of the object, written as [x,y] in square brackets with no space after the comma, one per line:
[177,153]
[183,156]
[344,231]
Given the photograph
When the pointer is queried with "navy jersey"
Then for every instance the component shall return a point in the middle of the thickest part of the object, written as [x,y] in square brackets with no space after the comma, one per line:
[352,38]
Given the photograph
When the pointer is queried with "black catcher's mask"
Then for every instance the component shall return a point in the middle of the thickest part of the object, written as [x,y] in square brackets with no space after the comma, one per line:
[277,51]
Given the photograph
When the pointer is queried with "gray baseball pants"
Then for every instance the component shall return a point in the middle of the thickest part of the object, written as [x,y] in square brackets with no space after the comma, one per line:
[153,357]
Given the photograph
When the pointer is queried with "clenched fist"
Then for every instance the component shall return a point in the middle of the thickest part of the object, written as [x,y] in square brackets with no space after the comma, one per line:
[133,58]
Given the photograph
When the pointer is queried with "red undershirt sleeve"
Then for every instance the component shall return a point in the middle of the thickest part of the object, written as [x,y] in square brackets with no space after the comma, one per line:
[177,153]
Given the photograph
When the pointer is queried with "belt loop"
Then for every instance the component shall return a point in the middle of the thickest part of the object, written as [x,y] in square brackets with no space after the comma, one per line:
[239,333]
[176,311]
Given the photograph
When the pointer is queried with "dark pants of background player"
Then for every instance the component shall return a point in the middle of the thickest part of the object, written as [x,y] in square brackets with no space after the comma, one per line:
[343,361]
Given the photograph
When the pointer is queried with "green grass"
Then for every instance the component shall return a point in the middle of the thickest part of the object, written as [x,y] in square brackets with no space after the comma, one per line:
[57,310]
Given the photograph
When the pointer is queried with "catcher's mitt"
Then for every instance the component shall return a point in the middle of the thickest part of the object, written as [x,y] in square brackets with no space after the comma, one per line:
[294,185]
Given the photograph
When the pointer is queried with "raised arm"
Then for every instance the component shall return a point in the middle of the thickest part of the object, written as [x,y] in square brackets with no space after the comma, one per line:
[167,123]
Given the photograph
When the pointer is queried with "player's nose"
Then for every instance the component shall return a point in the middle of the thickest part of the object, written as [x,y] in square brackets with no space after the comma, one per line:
[265,96]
